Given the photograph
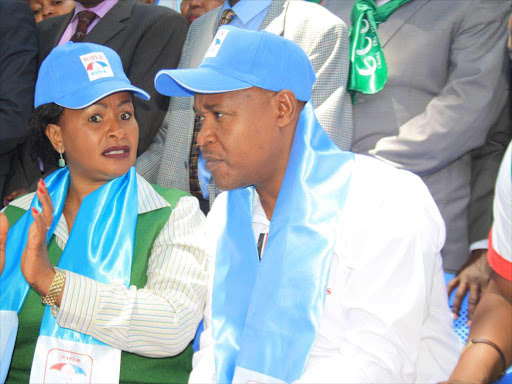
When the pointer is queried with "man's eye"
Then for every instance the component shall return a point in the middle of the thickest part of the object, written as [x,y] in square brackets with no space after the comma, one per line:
[218,115]
[57,2]
[199,121]
[95,119]
[37,11]
[126,116]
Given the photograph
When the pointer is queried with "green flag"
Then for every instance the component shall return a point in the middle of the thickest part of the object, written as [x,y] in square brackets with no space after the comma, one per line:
[368,69]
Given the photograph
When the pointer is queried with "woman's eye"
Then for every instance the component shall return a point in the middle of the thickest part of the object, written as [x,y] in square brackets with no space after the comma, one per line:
[126,116]
[38,10]
[57,2]
[95,119]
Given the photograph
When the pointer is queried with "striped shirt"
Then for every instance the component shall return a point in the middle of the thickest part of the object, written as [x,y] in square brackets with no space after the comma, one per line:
[160,319]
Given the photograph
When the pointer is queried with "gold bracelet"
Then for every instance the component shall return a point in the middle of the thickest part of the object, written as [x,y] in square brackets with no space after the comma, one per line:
[53,293]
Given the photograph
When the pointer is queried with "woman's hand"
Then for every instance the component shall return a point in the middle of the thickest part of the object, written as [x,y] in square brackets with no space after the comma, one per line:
[35,263]
[4,228]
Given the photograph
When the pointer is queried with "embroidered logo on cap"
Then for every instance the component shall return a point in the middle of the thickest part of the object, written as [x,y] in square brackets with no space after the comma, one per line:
[216,43]
[96,65]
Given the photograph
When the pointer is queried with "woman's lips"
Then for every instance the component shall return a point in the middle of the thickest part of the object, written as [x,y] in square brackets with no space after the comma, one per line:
[117,152]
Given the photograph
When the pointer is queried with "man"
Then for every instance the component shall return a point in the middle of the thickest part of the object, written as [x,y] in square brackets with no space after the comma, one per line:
[146,38]
[445,87]
[18,60]
[327,264]
[172,159]
[192,9]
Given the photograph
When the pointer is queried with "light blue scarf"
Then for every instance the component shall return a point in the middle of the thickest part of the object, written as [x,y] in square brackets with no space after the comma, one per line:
[265,316]
[100,247]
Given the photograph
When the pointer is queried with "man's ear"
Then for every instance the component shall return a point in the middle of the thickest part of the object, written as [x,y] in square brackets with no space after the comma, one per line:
[54,134]
[287,107]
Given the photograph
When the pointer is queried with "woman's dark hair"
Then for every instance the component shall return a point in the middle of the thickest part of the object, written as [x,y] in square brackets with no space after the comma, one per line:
[40,145]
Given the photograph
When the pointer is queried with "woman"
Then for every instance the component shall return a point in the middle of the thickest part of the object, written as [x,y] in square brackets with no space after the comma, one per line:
[44,9]
[132,265]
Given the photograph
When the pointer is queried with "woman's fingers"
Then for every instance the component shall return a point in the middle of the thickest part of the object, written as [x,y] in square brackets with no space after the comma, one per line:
[46,203]
[36,232]
[35,264]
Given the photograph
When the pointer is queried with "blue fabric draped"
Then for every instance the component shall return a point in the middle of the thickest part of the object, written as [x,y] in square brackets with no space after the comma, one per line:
[100,245]
[265,315]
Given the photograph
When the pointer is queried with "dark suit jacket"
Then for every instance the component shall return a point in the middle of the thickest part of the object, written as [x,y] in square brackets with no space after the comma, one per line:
[146,37]
[18,59]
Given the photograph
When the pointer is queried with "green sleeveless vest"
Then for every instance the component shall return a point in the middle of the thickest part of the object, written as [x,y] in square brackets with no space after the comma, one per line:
[134,368]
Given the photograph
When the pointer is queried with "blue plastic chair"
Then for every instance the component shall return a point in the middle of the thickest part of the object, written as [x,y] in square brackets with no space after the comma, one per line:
[462,329]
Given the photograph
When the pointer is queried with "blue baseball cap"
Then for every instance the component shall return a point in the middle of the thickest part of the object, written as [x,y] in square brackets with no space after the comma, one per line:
[239,59]
[77,75]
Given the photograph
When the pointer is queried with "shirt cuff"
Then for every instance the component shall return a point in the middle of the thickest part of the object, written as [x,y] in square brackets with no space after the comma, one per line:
[481,244]
[79,303]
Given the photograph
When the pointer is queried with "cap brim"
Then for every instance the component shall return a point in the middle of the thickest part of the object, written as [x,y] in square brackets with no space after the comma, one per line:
[187,82]
[91,95]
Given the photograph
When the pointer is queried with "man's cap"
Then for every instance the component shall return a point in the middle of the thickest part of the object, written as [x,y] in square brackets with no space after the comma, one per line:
[239,59]
[77,75]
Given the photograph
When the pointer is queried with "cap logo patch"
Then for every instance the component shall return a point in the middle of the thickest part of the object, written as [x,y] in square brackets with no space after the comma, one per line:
[216,43]
[96,65]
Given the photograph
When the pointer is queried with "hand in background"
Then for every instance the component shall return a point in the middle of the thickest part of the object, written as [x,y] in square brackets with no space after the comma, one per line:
[473,277]
[4,228]
[17,193]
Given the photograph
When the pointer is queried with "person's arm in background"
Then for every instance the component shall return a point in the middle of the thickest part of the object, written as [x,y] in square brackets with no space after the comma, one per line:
[475,274]
[457,120]
[481,362]
[18,61]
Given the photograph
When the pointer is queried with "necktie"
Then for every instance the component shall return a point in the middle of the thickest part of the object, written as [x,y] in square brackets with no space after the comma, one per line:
[85,19]
[227,17]
[195,189]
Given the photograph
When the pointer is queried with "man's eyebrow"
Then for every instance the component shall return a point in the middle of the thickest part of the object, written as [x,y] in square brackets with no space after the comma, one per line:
[207,107]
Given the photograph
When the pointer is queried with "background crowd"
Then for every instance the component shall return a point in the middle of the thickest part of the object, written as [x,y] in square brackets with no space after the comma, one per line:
[442,112]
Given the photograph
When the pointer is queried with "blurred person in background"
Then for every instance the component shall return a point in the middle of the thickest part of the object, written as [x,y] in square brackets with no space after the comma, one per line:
[192,9]
[43,9]
[426,95]
[18,68]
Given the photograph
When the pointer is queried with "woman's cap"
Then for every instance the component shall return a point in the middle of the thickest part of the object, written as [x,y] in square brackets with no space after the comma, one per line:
[239,59]
[77,75]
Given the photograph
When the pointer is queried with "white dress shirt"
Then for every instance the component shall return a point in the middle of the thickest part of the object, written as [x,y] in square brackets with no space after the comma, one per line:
[386,316]
[160,319]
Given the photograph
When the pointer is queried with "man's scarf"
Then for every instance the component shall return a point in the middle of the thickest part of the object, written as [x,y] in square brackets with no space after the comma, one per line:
[100,247]
[266,315]
[368,68]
